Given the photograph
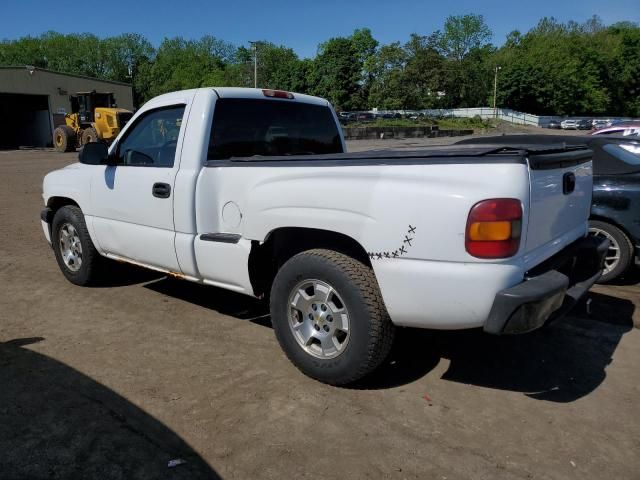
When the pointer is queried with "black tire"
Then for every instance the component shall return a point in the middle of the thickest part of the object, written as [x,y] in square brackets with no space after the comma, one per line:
[64,139]
[370,329]
[89,135]
[620,240]
[91,262]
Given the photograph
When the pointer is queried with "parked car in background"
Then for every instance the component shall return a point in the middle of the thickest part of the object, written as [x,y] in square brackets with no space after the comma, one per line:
[345,117]
[365,117]
[569,124]
[555,124]
[615,208]
[585,124]
[615,212]
[629,128]
[597,124]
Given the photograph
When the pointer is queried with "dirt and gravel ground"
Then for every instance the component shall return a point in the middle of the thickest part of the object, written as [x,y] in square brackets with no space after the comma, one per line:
[114,382]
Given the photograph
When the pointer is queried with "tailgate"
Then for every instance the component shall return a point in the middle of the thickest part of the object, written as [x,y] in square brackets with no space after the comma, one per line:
[560,198]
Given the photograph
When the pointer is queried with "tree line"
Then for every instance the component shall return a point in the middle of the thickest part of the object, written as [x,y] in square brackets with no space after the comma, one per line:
[555,68]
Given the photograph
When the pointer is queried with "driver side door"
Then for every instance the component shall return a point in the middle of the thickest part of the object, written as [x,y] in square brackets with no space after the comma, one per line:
[133,200]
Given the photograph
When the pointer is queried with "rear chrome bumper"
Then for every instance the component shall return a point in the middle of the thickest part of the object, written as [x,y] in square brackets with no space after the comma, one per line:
[549,290]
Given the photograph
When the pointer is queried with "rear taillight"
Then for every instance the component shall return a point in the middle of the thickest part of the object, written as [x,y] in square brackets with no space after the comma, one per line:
[493,228]
[278,94]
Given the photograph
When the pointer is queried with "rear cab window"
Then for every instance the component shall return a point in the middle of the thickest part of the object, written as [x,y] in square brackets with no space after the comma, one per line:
[244,127]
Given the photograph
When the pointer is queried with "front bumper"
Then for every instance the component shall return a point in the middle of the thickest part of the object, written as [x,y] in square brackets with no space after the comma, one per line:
[46,217]
[550,290]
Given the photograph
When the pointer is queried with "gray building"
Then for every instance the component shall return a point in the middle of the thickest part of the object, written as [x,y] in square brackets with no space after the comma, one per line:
[33,101]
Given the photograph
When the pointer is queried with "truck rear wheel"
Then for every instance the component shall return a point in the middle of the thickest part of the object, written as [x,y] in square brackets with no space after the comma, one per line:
[620,253]
[64,139]
[89,135]
[329,317]
[75,253]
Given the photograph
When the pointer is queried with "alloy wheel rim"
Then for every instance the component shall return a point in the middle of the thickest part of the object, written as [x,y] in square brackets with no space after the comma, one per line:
[612,257]
[70,247]
[318,319]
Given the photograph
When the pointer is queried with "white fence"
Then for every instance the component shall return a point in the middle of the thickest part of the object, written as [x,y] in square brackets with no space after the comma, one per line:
[506,114]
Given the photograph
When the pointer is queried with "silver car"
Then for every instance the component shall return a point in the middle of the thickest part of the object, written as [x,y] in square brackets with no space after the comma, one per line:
[569,124]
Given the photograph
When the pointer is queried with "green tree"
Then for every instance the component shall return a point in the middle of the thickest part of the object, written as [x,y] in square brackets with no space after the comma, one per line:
[182,64]
[623,74]
[128,58]
[462,34]
[465,43]
[387,69]
[365,46]
[277,65]
[426,72]
[562,69]
[554,68]
[337,73]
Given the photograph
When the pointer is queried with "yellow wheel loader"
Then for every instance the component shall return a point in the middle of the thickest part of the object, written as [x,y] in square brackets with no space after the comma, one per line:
[94,117]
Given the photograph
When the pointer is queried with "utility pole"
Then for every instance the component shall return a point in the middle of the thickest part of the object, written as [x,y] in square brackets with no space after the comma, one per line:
[254,47]
[495,92]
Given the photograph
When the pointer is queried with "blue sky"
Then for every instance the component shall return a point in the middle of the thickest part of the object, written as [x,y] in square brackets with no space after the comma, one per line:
[300,25]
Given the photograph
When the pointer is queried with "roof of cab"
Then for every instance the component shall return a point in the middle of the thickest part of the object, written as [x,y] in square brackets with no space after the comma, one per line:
[232,92]
[178,95]
[257,93]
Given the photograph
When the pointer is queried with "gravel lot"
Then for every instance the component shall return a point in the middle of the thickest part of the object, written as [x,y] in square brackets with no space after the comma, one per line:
[114,382]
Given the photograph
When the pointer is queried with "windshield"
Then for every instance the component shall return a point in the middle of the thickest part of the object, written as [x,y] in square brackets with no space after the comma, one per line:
[248,127]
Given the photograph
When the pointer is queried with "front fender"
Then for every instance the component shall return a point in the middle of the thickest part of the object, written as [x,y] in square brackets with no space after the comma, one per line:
[72,182]
[70,185]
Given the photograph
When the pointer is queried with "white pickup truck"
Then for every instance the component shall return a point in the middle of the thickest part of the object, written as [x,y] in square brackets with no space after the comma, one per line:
[252,191]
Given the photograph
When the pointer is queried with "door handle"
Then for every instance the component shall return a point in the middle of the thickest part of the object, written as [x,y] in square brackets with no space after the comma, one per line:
[161,190]
[568,183]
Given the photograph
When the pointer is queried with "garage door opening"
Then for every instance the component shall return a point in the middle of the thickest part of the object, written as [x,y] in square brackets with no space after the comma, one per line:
[24,121]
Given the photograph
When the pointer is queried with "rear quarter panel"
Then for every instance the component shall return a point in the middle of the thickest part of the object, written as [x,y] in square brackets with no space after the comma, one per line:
[410,219]
[421,207]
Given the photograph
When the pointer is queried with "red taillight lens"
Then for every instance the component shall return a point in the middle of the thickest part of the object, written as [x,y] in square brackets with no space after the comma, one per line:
[277,94]
[493,228]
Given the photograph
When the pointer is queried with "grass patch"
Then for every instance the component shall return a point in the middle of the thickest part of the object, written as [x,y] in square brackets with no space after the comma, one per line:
[465,123]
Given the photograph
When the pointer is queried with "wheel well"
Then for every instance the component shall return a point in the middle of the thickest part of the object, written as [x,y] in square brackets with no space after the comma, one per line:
[265,259]
[56,203]
[608,220]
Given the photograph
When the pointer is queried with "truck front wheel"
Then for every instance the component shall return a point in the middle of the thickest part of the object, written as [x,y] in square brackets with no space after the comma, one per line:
[75,253]
[329,316]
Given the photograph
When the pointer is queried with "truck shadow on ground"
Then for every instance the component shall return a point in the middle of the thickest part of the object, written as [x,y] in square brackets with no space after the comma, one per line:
[56,422]
[632,277]
[121,274]
[222,301]
[561,363]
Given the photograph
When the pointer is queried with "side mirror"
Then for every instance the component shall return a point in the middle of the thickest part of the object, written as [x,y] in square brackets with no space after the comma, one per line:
[95,153]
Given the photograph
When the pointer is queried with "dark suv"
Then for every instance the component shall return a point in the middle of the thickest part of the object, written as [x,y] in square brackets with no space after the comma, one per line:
[585,124]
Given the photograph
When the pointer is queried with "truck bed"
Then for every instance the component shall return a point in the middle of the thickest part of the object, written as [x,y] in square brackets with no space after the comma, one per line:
[540,156]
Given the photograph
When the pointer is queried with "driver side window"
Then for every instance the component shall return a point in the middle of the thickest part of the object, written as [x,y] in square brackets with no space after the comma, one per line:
[152,141]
